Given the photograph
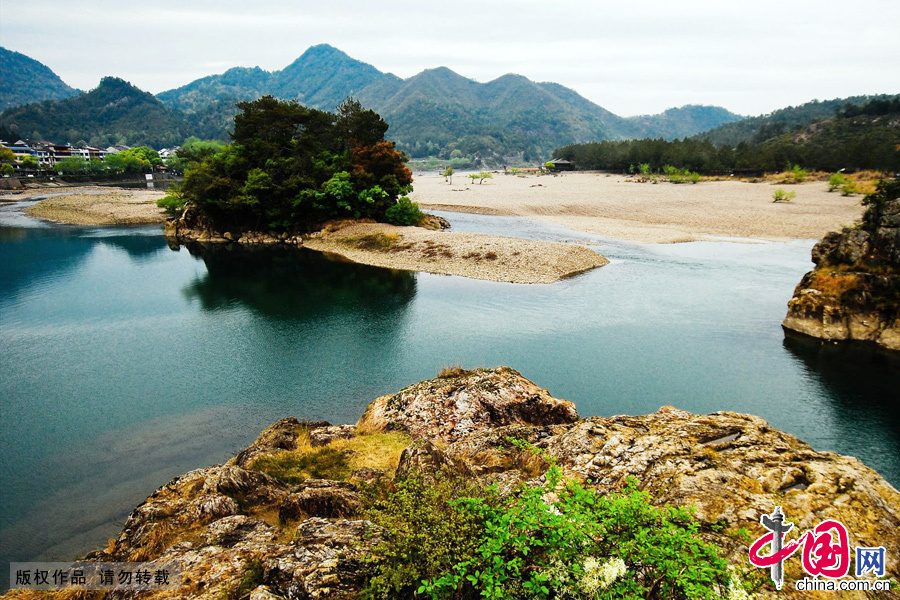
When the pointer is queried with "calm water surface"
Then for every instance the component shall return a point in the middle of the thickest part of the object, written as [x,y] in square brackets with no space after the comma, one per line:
[125,363]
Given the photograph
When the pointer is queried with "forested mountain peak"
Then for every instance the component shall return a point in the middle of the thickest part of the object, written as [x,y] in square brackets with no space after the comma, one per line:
[26,80]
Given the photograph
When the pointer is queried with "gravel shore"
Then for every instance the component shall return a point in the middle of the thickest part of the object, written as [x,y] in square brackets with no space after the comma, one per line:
[96,206]
[610,206]
[471,255]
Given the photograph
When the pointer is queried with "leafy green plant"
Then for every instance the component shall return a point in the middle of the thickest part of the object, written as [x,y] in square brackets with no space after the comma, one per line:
[404,212]
[797,174]
[848,189]
[7,169]
[676,175]
[422,531]
[455,540]
[782,196]
[836,181]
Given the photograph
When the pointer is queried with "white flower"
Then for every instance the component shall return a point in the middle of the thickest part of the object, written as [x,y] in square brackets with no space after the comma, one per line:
[599,576]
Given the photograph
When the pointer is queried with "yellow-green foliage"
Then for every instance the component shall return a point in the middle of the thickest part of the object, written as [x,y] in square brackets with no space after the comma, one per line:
[834,283]
[336,460]
[375,241]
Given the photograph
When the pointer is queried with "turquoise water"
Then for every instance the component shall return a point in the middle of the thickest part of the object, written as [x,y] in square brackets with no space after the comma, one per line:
[126,363]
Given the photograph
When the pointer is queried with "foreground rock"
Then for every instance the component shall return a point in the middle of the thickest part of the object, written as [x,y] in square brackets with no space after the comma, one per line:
[854,291]
[237,531]
[478,256]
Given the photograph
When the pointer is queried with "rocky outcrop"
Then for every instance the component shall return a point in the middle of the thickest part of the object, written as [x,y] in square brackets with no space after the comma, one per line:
[192,226]
[461,402]
[854,291]
[233,529]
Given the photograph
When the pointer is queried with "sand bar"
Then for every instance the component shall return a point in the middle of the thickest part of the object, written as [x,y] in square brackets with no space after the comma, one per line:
[96,206]
[645,212]
[477,256]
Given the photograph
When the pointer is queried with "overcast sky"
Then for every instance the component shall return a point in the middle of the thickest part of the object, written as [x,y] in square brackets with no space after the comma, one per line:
[629,57]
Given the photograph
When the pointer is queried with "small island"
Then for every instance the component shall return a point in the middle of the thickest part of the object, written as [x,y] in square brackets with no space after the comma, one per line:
[330,182]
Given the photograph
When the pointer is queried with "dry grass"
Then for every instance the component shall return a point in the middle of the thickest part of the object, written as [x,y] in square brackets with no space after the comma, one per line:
[337,460]
[834,283]
[379,242]
[451,371]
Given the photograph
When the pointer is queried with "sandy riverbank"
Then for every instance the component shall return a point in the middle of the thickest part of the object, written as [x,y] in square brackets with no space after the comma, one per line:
[472,255]
[646,212]
[95,205]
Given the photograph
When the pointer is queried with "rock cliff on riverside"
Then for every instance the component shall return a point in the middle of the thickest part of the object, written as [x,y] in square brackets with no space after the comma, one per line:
[192,226]
[307,539]
[854,291]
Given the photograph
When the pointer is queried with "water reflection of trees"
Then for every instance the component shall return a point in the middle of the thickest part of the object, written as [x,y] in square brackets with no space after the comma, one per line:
[29,255]
[863,384]
[138,247]
[288,282]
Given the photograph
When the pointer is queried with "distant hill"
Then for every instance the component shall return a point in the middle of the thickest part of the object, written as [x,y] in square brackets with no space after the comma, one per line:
[864,136]
[437,112]
[779,122]
[26,80]
[682,122]
[113,112]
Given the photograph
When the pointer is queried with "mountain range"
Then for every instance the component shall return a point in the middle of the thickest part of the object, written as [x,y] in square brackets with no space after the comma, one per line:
[439,111]
[434,113]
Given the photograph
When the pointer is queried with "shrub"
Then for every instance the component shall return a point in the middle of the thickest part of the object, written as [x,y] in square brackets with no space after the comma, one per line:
[848,189]
[798,174]
[553,540]
[7,169]
[835,181]
[423,532]
[782,196]
[676,175]
[173,203]
[404,212]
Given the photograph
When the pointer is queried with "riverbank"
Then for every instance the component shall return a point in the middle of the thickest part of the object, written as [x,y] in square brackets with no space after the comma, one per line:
[610,206]
[477,256]
[94,205]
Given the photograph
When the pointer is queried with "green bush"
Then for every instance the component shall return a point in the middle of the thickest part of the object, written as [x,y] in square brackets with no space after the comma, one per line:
[7,169]
[173,203]
[848,189]
[835,181]
[423,532]
[404,212]
[676,175]
[782,196]
[553,540]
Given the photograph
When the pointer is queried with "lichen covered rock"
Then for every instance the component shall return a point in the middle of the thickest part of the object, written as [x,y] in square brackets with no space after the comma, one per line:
[238,532]
[854,291]
[461,402]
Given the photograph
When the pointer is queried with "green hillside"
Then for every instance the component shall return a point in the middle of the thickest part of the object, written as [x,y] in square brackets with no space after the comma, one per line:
[779,122]
[854,137]
[112,113]
[682,122]
[26,80]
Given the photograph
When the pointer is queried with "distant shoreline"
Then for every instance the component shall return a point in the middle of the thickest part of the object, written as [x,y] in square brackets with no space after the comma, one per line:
[610,206]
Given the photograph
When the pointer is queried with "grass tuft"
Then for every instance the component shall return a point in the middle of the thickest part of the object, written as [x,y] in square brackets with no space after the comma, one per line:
[337,460]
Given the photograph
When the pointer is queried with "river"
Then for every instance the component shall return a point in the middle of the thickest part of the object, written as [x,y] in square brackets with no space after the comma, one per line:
[126,363]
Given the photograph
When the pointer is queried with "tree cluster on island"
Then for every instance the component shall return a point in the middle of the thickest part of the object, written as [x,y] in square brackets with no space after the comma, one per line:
[292,168]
